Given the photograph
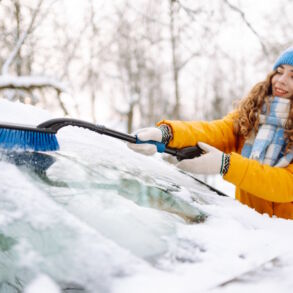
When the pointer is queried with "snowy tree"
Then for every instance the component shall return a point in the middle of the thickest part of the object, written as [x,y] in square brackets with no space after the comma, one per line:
[18,81]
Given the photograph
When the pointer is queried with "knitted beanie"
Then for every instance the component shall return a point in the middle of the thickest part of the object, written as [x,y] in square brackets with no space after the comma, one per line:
[285,58]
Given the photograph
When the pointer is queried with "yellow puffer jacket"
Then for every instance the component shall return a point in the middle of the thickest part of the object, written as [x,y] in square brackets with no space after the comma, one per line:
[262,187]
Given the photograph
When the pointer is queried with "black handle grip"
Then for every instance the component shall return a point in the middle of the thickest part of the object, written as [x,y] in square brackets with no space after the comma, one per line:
[189,153]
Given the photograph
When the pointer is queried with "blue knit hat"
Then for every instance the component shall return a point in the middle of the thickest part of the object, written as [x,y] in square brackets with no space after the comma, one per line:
[285,58]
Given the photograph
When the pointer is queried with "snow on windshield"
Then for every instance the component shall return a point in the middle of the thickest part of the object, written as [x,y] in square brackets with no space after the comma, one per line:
[97,217]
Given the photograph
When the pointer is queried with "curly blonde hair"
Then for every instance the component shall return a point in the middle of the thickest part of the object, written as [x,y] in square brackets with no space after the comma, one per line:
[249,110]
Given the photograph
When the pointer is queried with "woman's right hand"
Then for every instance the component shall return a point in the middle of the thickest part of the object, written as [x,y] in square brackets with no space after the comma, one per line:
[145,134]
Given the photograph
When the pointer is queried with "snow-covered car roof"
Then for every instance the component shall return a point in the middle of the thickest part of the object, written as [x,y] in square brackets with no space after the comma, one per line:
[102,218]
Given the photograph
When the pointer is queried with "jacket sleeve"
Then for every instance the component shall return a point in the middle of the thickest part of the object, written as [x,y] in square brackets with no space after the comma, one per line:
[269,183]
[218,133]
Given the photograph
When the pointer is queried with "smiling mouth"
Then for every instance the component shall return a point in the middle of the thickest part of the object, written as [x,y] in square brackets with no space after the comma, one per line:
[280,91]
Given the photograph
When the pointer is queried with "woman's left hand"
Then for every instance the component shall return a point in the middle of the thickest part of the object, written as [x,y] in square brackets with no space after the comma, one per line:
[208,163]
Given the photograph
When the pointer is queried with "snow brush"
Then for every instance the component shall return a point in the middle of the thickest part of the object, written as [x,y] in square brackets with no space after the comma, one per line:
[43,137]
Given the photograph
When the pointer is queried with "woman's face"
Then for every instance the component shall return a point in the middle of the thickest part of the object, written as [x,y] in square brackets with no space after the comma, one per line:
[282,82]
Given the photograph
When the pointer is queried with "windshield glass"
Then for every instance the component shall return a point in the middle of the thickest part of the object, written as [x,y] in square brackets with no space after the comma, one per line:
[89,209]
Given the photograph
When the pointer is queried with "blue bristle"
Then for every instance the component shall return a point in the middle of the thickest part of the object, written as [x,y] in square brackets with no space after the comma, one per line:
[28,140]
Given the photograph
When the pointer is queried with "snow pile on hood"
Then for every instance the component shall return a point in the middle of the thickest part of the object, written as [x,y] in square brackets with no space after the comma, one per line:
[43,284]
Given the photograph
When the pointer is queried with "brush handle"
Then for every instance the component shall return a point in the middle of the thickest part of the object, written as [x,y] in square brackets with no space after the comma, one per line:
[54,125]
[161,147]
[180,154]
[189,153]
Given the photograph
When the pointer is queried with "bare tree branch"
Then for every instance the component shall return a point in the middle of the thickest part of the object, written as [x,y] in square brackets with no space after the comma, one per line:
[61,104]
[147,17]
[190,12]
[21,40]
[44,13]
[186,61]
[30,83]
[242,14]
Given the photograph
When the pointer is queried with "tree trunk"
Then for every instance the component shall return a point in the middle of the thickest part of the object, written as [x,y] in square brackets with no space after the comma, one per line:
[176,109]
[130,119]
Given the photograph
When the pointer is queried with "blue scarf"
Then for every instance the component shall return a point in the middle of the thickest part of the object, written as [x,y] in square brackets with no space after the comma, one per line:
[268,145]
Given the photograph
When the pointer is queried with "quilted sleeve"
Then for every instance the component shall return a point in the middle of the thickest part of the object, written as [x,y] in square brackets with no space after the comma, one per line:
[218,133]
[269,183]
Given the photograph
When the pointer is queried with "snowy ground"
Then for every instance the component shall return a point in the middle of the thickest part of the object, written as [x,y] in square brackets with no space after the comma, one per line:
[105,219]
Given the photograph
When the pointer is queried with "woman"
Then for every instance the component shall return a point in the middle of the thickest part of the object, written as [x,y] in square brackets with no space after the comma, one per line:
[251,147]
